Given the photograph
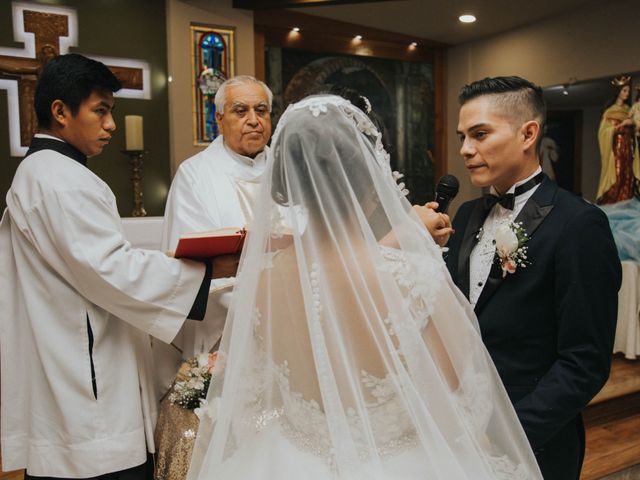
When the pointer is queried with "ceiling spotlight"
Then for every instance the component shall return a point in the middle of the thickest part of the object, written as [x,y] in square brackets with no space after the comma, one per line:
[358,37]
[565,90]
[413,44]
[467,18]
[296,29]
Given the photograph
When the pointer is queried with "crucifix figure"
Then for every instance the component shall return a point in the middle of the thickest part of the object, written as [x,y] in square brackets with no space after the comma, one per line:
[47,29]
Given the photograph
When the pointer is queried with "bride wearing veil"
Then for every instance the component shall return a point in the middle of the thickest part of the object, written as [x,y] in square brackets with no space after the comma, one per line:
[348,353]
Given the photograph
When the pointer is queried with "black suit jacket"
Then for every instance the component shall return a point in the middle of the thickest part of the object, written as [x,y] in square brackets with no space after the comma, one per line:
[549,327]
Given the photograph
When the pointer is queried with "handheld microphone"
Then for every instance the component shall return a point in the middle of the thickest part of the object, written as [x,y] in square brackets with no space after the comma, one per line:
[446,190]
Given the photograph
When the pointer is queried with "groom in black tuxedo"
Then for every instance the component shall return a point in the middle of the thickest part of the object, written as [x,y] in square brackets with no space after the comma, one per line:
[547,312]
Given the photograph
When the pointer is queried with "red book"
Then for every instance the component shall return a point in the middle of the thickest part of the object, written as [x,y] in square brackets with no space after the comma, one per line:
[211,243]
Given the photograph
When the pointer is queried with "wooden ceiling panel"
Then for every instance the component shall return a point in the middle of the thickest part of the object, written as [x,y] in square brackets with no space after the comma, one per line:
[268,4]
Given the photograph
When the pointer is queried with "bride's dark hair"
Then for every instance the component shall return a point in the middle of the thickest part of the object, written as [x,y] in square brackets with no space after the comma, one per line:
[361,102]
[332,148]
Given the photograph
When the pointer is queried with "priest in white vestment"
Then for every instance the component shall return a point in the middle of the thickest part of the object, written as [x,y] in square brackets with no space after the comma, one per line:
[216,189]
[78,302]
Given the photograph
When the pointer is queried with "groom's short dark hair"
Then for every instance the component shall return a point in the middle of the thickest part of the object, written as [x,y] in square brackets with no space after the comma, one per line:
[519,98]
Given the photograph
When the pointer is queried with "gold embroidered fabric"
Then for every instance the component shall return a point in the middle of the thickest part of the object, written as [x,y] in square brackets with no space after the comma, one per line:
[175,436]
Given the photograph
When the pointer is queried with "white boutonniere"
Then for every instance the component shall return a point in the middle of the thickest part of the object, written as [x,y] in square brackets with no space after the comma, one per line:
[510,247]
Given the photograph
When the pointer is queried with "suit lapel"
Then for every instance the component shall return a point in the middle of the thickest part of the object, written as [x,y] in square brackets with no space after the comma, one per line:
[532,215]
[537,207]
[476,220]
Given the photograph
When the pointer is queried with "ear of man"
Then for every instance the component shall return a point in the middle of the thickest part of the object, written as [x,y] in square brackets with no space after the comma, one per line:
[530,132]
[59,112]
[219,122]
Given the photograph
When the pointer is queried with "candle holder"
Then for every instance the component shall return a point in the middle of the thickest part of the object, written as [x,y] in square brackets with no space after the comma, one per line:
[135,158]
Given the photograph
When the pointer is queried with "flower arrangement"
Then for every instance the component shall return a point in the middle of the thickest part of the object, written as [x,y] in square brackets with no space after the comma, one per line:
[511,249]
[192,381]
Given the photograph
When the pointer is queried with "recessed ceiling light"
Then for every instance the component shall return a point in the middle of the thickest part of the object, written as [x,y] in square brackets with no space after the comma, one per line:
[413,44]
[296,29]
[358,37]
[467,18]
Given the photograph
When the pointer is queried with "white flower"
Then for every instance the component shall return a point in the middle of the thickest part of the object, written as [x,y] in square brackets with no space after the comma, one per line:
[367,128]
[511,250]
[506,240]
[317,109]
[195,384]
[203,359]
[208,409]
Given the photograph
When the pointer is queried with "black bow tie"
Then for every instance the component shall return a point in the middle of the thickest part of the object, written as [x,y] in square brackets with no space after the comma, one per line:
[508,199]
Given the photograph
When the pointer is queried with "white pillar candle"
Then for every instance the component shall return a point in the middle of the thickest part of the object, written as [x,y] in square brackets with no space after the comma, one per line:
[133,132]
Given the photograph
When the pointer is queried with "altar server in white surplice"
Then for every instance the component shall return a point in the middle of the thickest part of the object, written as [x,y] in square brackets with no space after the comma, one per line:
[216,189]
[78,302]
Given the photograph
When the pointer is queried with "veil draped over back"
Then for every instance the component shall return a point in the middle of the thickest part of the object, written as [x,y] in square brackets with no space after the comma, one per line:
[348,352]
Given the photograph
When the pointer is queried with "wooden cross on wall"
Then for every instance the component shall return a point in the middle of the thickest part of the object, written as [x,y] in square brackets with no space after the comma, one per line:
[46,26]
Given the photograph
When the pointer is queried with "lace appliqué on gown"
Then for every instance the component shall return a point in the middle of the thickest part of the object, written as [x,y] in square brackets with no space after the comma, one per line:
[305,424]
[474,402]
[420,294]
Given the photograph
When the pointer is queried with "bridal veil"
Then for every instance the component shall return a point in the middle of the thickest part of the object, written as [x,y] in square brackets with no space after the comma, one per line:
[348,353]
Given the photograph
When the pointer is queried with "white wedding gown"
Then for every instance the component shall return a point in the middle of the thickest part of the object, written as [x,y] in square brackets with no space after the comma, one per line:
[343,358]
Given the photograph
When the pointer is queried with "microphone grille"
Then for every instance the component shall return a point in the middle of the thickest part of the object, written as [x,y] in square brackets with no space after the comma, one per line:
[448,184]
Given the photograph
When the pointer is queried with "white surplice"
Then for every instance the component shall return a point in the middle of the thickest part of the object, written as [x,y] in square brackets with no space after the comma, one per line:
[214,189]
[65,265]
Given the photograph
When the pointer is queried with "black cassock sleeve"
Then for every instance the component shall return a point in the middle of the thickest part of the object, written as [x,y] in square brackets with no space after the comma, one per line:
[199,307]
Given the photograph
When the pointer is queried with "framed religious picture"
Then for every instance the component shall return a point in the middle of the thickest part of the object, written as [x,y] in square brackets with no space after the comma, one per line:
[561,149]
[212,62]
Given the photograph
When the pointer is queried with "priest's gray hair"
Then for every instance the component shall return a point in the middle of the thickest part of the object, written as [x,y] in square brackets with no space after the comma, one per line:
[221,94]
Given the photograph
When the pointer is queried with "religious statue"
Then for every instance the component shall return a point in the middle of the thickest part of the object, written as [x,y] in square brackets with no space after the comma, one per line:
[549,154]
[634,113]
[620,172]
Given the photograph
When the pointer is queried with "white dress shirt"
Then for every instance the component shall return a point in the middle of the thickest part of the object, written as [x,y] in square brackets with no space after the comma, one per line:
[482,256]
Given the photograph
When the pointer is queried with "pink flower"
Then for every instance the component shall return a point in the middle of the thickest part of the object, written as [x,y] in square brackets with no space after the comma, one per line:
[211,361]
[508,266]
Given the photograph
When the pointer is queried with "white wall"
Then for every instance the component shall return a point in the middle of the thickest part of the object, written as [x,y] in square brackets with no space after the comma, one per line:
[597,41]
[180,15]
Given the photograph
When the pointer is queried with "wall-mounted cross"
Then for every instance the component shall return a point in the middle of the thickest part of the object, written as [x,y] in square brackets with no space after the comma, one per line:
[41,28]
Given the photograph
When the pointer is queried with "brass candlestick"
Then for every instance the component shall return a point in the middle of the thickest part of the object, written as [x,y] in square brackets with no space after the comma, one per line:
[135,157]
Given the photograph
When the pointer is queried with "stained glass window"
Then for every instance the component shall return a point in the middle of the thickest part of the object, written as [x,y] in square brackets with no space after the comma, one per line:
[212,62]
